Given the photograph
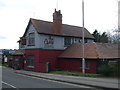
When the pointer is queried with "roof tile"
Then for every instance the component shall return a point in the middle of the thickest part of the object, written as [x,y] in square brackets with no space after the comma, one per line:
[46,27]
[92,51]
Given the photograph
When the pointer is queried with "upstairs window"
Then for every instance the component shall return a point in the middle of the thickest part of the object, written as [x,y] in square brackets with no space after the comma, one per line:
[90,41]
[23,41]
[31,39]
[67,41]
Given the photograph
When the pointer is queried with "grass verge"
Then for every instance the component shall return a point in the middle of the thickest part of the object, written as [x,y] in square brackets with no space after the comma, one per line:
[4,65]
[71,73]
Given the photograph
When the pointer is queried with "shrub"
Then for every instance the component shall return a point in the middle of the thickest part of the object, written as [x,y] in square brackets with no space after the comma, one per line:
[107,70]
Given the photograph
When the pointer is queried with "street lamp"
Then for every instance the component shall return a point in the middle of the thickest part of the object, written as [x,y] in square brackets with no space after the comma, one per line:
[83,41]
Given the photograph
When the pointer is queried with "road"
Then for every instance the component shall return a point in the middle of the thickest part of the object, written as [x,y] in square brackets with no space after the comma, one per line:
[19,81]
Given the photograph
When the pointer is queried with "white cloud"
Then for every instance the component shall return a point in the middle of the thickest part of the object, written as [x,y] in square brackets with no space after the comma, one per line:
[15,14]
[119,14]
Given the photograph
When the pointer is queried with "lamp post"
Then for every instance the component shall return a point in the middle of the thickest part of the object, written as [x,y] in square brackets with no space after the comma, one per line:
[83,41]
[57,5]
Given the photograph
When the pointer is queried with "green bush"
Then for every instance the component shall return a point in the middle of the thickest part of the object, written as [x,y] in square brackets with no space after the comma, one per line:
[107,70]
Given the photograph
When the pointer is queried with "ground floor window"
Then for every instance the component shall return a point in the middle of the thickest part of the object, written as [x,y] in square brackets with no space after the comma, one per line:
[87,64]
[30,60]
[16,60]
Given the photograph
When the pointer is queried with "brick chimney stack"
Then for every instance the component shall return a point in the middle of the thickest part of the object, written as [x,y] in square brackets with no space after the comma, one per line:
[57,22]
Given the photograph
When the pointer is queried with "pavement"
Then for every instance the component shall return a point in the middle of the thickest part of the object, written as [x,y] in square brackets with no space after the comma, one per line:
[104,83]
[16,81]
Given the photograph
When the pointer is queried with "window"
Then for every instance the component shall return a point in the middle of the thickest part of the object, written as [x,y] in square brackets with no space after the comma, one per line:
[80,41]
[67,41]
[73,41]
[23,41]
[89,41]
[31,61]
[16,60]
[85,40]
[31,39]
[87,64]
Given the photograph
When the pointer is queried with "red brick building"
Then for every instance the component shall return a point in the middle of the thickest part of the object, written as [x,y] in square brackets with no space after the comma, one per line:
[45,45]
[96,54]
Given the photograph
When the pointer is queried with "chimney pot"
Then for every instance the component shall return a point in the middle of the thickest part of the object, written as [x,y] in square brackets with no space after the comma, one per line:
[55,9]
[59,11]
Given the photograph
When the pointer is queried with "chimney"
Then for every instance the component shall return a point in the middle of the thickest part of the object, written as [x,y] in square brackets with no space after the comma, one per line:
[57,22]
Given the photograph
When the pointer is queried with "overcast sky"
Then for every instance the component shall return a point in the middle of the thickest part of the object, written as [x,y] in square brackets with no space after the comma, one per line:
[15,14]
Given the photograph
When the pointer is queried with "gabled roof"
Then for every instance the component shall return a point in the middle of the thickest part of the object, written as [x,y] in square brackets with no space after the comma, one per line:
[45,27]
[92,51]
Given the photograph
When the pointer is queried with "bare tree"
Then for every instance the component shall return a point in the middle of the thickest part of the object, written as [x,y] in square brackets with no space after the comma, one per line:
[114,37]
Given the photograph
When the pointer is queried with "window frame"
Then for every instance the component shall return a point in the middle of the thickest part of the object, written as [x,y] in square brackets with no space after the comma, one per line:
[31,39]
[31,60]
[67,41]
[87,64]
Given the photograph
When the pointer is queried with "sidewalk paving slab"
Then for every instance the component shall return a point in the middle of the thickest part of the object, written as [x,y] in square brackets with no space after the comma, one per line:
[106,83]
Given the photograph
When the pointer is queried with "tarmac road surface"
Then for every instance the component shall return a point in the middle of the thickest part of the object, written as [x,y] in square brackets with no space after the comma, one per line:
[19,81]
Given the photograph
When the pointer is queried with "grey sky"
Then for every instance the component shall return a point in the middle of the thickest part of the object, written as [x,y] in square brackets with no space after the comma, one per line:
[119,14]
[15,14]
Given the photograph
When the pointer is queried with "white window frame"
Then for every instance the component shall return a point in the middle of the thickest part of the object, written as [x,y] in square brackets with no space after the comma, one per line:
[31,39]
[31,60]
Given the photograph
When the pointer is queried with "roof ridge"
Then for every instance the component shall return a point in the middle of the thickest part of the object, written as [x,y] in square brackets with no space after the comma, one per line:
[40,20]
[46,27]
[72,25]
[52,22]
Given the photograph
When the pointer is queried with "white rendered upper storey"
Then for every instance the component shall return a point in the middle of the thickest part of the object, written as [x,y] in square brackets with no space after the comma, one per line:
[52,35]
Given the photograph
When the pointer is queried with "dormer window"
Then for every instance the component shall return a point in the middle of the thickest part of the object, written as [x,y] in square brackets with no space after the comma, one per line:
[31,39]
